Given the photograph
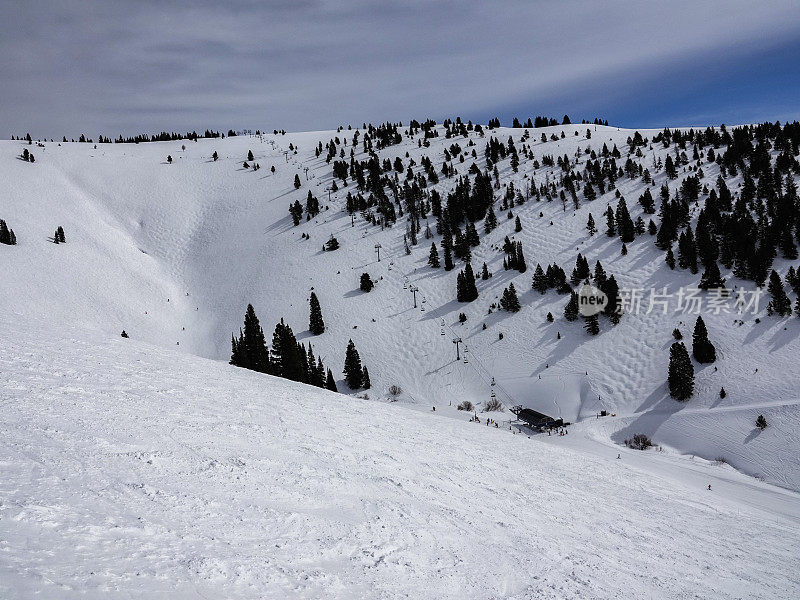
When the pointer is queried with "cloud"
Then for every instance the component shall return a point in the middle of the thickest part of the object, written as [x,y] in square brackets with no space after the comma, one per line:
[131,66]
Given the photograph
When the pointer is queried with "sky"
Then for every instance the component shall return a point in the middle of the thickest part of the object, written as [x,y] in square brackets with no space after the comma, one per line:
[142,66]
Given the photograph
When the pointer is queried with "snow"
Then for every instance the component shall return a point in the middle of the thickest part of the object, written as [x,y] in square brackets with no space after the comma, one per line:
[140,466]
[131,470]
[174,253]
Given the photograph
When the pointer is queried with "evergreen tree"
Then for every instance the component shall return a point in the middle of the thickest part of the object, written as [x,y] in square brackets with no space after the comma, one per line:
[466,290]
[316,325]
[250,350]
[365,382]
[448,259]
[517,224]
[539,280]
[433,259]
[611,229]
[702,348]
[681,372]
[7,235]
[509,300]
[625,226]
[591,324]
[712,278]
[330,383]
[590,226]
[366,284]
[612,309]
[297,183]
[353,371]
[296,212]
[571,309]
[780,303]
[670,259]
[761,422]
[60,237]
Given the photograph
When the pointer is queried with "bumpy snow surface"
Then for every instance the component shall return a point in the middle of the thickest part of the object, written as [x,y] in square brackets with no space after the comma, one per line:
[148,467]
[132,471]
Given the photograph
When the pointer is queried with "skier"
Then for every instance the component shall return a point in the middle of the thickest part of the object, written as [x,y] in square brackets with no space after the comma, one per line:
[709,487]
[618,456]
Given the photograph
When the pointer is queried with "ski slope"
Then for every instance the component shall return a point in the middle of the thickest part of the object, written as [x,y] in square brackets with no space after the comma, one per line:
[173,253]
[133,470]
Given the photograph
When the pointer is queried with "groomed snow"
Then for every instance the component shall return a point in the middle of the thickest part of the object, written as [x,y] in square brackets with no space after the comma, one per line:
[131,470]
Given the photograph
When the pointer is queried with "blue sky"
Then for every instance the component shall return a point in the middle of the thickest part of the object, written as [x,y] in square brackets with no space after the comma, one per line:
[143,66]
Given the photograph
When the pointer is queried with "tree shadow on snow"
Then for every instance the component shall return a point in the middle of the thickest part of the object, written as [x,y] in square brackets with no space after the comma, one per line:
[752,435]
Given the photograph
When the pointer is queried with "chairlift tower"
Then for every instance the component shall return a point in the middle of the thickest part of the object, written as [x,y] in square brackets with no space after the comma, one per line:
[414,289]
[457,341]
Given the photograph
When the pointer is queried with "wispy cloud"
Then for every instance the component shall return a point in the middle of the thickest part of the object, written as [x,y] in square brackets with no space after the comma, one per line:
[135,66]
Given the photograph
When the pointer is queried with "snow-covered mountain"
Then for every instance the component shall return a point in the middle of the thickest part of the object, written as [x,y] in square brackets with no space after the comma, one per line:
[164,471]
[173,253]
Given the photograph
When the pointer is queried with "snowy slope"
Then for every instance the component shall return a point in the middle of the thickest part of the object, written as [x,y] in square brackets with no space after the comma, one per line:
[173,254]
[131,470]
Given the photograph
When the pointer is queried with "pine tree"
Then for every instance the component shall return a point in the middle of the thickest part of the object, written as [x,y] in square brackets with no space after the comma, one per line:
[517,224]
[509,300]
[60,237]
[712,278]
[611,229]
[702,348]
[353,371]
[780,303]
[625,226]
[365,382]
[448,259]
[250,155]
[591,324]
[433,259]
[316,325]
[539,280]
[612,309]
[330,383]
[670,258]
[366,285]
[590,226]
[761,422]
[571,309]
[681,372]
[250,350]
[297,183]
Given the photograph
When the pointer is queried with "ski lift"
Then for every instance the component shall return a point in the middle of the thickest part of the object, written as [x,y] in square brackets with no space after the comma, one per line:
[466,350]
[492,384]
